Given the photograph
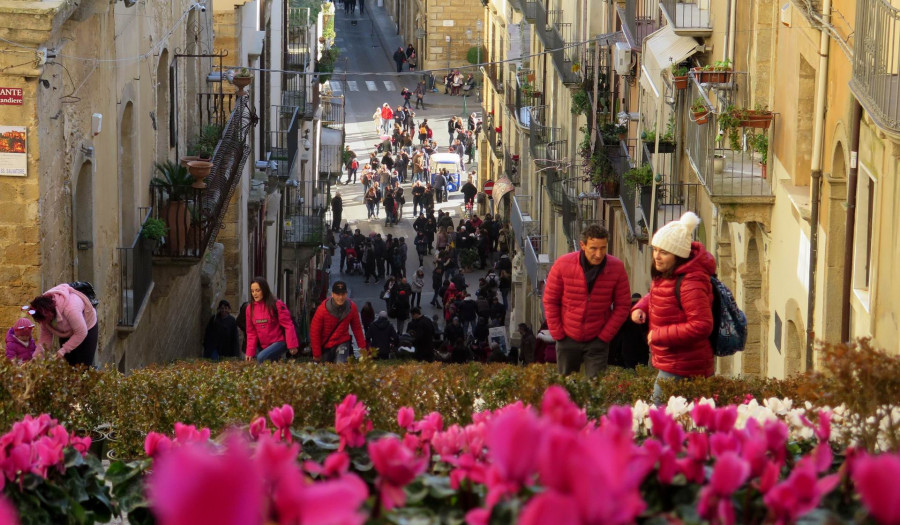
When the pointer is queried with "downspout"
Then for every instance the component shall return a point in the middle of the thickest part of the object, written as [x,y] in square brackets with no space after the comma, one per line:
[851,221]
[731,16]
[816,175]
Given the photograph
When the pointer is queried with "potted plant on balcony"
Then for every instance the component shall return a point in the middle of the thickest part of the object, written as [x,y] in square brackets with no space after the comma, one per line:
[700,111]
[242,78]
[666,141]
[638,176]
[759,142]
[719,72]
[613,133]
[580,102]
[679,75]
[154,230]
[730,126]
[175,182]
[760,117]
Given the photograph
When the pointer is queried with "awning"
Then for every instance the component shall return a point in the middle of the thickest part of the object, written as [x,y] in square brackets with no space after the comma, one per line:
[502,186]
[662,49]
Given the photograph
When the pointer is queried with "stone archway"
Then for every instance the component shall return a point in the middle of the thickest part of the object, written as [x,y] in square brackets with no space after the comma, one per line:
[128,221]
[83,223]
[835,225]
[794,340]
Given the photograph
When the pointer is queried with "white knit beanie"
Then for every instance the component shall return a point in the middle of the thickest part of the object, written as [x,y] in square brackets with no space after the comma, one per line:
[676,236]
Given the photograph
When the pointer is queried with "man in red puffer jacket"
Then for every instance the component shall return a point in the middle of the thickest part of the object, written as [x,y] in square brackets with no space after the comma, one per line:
[331,325]
[586,300]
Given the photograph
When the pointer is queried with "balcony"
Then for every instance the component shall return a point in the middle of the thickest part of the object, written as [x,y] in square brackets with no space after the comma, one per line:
[282,141]
[728,166]
[576,210]
[493,137]
[511,166]
[194,216]
[638,18]
[547,146]
[296,93]
[296,45]
[533,9]
[620,156]
[604,93]
[557,35]
[553,185]
[523,226]
[304,225]
[494,73]
[333,114]
[876,63]
[672,200]
[536,264]
[520,97]
[135,278]
[690,18]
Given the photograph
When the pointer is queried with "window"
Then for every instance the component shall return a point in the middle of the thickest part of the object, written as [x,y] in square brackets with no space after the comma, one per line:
[862,249]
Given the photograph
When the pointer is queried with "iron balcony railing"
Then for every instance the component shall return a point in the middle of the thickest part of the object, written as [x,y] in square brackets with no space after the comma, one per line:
[333,114]
[727,165]
[620,156]
[523,225]
[876,62]
[558,36]
[639,19]
[516,4]
[194,216]
[553,185]
[490,134]
[533,9]
[547,147]
[511,166]
[296,94]
[688,18]
[604,79]
[283,141]
[672,200]
[575,208]
[494,73]
[534,267]
[214,108]
[296,44]
[135,276]
[304,225]
[519,99]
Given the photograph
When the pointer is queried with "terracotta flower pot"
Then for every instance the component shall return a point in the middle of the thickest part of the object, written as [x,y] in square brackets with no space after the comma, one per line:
[188,158]
[680,82]
[757,119]
[701,117]
[242,82]
[199,169]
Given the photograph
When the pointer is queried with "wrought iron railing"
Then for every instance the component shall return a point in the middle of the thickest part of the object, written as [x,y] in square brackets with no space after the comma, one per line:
[544,140]
[494,73]
[558,36]
[523,225]
[333,114]
[519,100]
[620,156]
[726,166]
[204,220]
[553,185]
[511,166]
[672,200]
[638,19]
[304,225]
[604,93]
[214,108]
[533,267]
[490,134]
[296,94]
[533,9]
[876,62]
[135,276]
[283,141]
[687,16]
[296,44]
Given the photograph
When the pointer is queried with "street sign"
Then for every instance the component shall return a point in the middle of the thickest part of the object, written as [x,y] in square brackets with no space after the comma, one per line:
[488,188]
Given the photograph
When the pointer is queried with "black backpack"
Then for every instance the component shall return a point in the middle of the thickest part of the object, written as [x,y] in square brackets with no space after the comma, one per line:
[729,333]
[88,290]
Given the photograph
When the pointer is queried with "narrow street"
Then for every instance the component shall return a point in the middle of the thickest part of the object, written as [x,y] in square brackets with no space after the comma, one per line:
[360,55]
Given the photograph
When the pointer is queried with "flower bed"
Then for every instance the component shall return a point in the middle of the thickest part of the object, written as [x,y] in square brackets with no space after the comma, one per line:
[687,462]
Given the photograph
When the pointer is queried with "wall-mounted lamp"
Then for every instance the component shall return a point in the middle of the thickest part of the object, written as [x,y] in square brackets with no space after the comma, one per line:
[306,143]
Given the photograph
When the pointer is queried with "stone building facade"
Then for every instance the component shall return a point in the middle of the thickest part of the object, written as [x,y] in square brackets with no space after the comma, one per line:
[104,91]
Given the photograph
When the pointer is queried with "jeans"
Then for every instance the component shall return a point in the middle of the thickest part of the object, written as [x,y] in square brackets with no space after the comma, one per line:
[469,326]
[273,352]
[336,354]
[370,207]
[415,299]
[657,391]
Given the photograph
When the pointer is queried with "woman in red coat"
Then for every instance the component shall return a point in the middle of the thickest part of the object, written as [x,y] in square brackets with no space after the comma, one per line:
[679,331]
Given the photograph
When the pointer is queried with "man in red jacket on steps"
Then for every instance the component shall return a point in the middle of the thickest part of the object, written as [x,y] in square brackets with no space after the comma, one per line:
[586,300]
[329,331]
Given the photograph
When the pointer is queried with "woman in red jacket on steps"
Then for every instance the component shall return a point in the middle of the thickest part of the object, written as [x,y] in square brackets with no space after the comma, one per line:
[269,322]
[679,332]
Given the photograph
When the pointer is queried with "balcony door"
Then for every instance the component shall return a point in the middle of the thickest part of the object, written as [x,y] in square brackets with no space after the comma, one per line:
[83,215]
[128,221]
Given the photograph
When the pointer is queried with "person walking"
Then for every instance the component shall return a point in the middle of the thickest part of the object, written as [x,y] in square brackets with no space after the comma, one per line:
[422,330]
[387,118]
[401,294]
[337,208]
[407,95]
[376,119]
[68,314]
[221,336]
[413,61]
[383,336]
[586,300]
[420,101]
[269,323]
[679,329]
[417,285]
[331,327]
[368,262]
[469,191]
[399,58]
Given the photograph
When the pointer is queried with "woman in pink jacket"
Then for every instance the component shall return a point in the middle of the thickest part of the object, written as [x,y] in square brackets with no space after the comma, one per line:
[269,322]
[65,312]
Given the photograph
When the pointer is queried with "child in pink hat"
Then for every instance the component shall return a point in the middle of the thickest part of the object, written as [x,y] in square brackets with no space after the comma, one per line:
[19,343]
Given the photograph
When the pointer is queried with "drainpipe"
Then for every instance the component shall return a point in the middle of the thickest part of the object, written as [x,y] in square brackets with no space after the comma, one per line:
[731,15]
[851,221]
[816,174]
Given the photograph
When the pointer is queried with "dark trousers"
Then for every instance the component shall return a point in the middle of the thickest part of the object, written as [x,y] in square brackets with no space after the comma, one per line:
[420,101]
[83,354]
[379,266]
[570,355]
[336,223]
[336,354]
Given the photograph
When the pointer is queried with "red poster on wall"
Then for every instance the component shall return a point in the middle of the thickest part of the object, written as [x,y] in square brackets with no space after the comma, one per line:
[10,96]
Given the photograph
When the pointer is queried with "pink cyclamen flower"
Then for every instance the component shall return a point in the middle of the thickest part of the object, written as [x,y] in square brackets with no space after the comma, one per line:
[558,407]
[350,422]
[189,433]
[258,428]
[551,507]
[875,478]
[799,493]
[81,444]
[191,485]
[397,466]
[429,425]
[332,502]
[282,419]
[335,465]
[406,416]
[155,443]
[8,514]
[513,440]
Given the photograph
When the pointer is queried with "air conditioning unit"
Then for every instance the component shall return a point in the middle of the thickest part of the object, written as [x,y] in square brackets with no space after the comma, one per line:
[622,58]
